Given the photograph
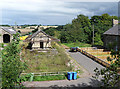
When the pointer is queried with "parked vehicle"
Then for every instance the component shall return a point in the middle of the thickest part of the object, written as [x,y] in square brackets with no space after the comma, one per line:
[74,49]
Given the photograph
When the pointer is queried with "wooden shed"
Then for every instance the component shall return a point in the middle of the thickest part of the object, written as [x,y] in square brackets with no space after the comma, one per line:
[40,40]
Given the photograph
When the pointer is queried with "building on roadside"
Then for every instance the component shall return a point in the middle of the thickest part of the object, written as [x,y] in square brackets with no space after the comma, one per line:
[112,37]
[6,34]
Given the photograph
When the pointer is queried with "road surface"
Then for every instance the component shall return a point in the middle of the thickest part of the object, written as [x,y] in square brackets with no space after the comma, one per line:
[85,62]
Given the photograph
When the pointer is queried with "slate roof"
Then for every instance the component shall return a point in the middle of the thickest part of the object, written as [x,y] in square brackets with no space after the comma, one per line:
[43,33]
[115,30]
[9,30]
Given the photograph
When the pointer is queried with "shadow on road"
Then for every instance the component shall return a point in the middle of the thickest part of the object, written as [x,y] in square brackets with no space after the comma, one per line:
[93,84]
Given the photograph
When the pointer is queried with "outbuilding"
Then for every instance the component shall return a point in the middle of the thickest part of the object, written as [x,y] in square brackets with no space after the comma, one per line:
[112,38]
[40,40]
[6,34]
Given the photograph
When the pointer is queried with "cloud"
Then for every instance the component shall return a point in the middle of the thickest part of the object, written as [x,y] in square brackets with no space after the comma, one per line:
[52,11]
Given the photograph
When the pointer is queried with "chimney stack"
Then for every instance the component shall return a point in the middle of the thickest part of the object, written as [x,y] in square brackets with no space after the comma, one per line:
[115,22]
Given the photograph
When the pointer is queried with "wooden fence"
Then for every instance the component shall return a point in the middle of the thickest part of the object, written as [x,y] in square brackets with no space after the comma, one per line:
[47,73]
[96,59]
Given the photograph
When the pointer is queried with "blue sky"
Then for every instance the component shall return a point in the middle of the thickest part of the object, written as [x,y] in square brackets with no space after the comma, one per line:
[52,12]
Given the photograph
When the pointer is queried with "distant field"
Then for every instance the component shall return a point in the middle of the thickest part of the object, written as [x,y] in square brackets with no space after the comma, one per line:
[77,44]
[24,31]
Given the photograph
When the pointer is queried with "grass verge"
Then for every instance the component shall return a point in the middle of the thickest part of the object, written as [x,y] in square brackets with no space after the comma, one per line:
[77,44]
[48,78]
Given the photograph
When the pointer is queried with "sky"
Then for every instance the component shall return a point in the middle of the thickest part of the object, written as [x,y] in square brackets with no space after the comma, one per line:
[52,12]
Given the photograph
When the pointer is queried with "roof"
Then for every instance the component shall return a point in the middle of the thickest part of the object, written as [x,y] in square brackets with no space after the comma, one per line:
[115,30]
[30,37]
[9,30]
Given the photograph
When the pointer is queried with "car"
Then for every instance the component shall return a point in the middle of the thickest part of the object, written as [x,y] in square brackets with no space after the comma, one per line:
[74,49]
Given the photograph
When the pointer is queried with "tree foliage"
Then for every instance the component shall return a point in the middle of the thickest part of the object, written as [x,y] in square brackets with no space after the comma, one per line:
[11,63]
[81,29]
[110,76]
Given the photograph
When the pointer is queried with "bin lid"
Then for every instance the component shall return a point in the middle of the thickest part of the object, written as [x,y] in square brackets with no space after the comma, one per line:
[69,72]
[74,72]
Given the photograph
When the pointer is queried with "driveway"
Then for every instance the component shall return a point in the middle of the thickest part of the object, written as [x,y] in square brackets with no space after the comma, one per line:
[85,62]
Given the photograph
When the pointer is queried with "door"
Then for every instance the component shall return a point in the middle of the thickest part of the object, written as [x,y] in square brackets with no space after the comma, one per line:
[41,44]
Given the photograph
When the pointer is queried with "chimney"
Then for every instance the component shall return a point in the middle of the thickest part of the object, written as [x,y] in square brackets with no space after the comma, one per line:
[115,22]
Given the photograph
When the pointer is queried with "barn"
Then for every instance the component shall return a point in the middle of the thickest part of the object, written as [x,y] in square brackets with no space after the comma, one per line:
[112,38]
[6,34]
[40,40]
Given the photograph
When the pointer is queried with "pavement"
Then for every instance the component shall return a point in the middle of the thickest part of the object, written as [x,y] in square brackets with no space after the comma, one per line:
[88,64]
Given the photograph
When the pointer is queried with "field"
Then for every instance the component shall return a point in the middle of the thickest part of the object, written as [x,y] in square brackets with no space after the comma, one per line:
[77,44]
[24,31]
[51,61]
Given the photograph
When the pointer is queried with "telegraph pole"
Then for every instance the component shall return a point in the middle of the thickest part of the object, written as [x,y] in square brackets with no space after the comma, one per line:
[93,34]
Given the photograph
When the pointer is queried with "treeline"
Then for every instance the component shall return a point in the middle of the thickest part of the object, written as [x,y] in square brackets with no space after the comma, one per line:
[81,29]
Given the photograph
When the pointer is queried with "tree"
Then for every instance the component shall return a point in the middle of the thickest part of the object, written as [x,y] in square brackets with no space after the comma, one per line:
[11,63]
[110,76]
[98,40]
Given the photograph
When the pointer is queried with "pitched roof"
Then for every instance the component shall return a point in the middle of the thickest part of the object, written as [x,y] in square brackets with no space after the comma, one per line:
[115,30]
[9,30]
[55,39]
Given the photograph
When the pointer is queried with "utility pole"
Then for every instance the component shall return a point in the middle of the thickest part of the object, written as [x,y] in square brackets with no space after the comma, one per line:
[93,34]
[15,25]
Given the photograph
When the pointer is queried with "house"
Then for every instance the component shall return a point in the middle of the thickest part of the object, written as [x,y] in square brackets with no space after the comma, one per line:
[112,38]
[6,34]
[40,40]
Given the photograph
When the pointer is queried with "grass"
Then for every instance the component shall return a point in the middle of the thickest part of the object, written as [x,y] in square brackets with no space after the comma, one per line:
[103,55]
[77,44]
[51,61]
[48,78]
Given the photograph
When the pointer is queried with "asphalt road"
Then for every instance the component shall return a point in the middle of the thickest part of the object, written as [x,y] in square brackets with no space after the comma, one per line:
[85,62]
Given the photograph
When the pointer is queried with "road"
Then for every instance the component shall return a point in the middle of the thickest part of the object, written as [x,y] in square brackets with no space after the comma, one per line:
[85,62]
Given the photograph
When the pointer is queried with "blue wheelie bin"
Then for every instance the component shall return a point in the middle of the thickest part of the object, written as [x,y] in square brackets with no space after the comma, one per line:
[74,75]
[69,75]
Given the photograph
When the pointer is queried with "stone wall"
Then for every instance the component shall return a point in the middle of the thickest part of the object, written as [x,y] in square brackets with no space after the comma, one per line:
[2,32]
[110,41]
[41,38]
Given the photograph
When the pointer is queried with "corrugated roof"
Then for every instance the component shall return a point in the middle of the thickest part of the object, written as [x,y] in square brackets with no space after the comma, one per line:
[9,30]
[115,30]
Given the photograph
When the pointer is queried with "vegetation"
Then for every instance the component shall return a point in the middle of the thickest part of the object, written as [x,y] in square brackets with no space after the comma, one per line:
[51,61]
[48,78]
[81,29]
[110,76]
[77,44]
[11,63]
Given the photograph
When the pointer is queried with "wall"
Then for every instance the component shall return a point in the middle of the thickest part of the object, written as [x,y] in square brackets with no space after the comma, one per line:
[41,38]
[110,41]
[2,32]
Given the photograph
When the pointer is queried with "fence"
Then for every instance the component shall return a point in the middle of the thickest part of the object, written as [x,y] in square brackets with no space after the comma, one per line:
[96,59]
[47,73]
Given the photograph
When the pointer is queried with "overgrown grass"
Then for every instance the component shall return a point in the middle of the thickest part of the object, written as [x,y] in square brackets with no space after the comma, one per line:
[48,78]
[51,61]
[77,44]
